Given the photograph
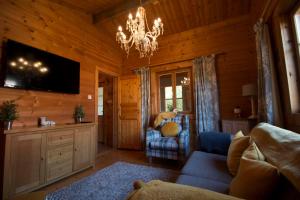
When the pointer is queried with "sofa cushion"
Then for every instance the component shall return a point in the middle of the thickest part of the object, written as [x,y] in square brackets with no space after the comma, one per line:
[237,147]
[255,180]
[164,143]
[203,183]
[207,165]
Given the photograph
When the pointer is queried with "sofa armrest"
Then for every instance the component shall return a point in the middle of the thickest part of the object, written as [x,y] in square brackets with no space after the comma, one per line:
[214,142]
[151,135]
[157,189]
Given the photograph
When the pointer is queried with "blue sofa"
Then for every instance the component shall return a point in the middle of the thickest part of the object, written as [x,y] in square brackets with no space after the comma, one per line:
[207,167]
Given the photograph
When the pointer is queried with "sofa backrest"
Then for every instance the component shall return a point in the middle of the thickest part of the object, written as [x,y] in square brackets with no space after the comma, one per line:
[281,148]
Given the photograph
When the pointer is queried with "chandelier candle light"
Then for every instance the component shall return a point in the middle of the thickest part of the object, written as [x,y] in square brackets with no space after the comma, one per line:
[145,41]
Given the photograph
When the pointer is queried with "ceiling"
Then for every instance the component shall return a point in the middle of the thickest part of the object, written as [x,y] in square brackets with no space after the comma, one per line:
[177,15]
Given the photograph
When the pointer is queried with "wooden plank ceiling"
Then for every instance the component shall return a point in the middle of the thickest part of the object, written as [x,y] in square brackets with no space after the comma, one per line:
[177,15]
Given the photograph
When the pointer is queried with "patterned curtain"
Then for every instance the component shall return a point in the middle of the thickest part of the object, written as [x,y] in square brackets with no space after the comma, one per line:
[144,74]
[206,94]
[268,97]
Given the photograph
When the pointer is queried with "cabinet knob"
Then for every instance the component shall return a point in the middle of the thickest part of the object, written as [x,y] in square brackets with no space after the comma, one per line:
[75,149]
[42,158]
[60,153]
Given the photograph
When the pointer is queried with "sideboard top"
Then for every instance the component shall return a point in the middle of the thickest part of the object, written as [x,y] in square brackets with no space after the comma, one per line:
[46,128]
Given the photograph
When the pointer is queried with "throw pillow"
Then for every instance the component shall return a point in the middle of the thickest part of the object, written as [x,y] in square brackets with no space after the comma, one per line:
[255,180]
[236,148]
[161,116]
[252,152]
[170,129]
[238,135]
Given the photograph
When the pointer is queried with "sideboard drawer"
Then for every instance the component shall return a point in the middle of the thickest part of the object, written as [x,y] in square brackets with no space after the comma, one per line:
[60,154]
[60,138]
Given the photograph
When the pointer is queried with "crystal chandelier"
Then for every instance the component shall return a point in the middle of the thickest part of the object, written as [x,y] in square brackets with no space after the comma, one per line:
[144,40]
[186,81]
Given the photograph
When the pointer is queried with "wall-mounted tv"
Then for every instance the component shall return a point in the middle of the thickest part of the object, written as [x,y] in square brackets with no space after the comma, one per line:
[25,67]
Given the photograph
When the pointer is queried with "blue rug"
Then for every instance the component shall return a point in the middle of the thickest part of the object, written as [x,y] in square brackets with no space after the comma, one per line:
[111,183]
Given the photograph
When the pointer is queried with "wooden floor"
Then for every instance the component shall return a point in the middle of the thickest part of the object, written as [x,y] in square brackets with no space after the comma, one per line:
[108,158]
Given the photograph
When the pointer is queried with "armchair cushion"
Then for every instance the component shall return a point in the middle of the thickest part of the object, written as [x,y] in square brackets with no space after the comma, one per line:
[164,143]
[171,129]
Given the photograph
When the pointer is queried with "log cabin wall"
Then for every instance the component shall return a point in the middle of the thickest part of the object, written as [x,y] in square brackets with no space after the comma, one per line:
[236,64]
[63,31]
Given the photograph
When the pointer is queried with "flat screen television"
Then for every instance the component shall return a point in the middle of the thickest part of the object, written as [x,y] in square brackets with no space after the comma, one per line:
[25,67]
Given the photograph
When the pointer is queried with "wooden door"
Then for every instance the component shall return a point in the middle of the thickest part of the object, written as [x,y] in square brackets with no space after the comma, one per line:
[28,162]
[82,148]
[129,134]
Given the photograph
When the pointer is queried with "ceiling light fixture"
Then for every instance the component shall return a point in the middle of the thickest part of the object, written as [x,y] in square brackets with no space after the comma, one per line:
[145,41]
[186,81]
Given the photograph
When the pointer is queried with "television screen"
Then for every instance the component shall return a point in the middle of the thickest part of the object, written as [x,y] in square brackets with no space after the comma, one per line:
[25,67]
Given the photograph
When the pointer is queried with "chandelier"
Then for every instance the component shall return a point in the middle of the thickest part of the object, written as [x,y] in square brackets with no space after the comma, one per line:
[144,40]
[186,81]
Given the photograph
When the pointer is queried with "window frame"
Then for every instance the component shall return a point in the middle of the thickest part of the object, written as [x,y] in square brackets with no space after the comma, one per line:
[174,98]
[294,35]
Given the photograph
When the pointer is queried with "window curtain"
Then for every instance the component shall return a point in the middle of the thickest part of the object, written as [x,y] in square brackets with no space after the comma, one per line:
[144,74]
[206,94]
[268,95]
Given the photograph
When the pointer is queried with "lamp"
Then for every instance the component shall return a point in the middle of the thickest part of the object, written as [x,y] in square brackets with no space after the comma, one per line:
[251,91]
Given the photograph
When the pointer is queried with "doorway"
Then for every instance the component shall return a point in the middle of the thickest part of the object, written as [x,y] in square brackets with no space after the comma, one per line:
[106,108]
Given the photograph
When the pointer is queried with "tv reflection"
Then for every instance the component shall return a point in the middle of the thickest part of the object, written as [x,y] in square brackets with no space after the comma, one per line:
[29,69]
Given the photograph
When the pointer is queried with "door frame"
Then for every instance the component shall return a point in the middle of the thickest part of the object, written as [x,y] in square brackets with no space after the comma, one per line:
[115,103]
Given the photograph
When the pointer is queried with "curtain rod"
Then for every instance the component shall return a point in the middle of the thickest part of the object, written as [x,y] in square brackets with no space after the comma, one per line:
[178,61]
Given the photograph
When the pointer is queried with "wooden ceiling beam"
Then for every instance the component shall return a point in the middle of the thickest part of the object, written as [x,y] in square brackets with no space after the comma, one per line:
[119,9]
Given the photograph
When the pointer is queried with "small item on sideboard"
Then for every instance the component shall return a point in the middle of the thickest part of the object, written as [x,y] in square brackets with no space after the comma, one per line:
[237,112]
[44,122]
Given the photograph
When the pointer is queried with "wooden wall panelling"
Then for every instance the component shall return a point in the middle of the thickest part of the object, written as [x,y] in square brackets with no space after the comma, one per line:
[66,32]
[236,65]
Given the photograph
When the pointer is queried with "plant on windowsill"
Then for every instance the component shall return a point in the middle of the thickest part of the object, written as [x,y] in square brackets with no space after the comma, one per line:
[8,113]
[79,114]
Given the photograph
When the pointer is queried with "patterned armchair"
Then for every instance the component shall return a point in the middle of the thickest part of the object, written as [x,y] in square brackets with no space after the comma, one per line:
[175,148]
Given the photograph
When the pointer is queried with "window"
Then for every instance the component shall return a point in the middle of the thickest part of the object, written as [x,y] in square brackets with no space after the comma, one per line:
[296,24]
[100,101]
[172,93]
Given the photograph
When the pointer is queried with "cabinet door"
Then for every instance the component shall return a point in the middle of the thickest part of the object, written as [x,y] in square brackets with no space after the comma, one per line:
[129,135]
[82,148]
[27,162]
[227,126]
[241,126]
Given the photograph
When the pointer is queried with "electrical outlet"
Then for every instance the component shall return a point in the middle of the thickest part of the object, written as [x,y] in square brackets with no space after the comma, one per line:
[89,97]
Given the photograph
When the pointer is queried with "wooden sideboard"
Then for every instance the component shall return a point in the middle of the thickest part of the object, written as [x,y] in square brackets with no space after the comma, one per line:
[234,125]
[37,156]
